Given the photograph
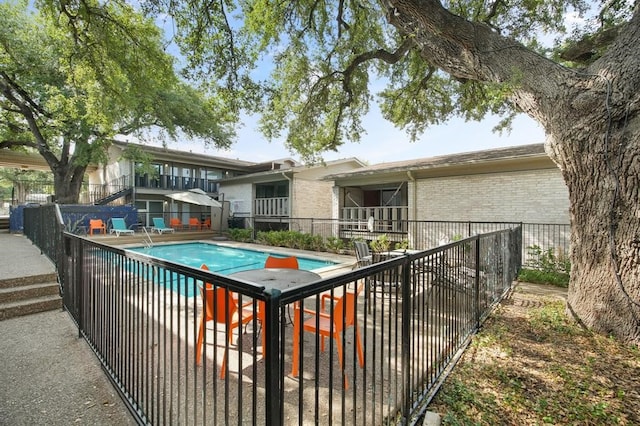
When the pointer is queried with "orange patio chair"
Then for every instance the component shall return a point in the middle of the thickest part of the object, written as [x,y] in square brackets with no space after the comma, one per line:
[207,223]
[97,225]
[219,305]
[194,223]
[281,262]
[328,324]
[175,223]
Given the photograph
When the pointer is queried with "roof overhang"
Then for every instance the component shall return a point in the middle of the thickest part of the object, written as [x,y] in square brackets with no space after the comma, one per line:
[529,157]
[161,154]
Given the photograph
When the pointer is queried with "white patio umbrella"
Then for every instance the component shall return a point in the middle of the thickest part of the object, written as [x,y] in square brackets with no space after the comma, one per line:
[195,196]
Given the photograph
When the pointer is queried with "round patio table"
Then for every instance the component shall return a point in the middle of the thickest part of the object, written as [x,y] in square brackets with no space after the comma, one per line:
[278,278]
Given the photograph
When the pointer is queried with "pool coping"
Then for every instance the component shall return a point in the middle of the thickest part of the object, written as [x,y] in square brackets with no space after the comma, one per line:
[344,263]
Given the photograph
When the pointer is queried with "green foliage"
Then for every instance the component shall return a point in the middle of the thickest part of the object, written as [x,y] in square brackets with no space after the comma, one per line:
[141,159]
[548,260]
[241,234]
[334,244]
[540,277]
[402,245]
[550,319]
[310,69]
[380,244]
[546,267]
[328,61]
[291,239]
[75,75]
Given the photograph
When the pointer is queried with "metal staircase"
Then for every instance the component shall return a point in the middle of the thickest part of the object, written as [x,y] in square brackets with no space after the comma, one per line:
[112,197]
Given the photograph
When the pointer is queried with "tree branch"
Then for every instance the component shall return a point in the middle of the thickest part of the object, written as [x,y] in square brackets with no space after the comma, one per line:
[341,22]
[471,50]
[381,54]
[11,85]
[14,143]
[493,10]
[26,112]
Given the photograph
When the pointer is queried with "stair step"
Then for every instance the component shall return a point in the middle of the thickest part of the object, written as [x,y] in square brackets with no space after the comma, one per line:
[25,292]
[28,280]
[31,306]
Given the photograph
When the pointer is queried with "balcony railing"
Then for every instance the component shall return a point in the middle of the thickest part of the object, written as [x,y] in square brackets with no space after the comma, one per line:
[176,183]
[140,315]
[277,206]
[385,219]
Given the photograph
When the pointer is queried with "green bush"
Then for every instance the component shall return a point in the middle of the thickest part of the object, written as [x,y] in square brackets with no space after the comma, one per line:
[546,267]
[380,244]
[291,239]
[540,277]
[334,244]
[242,235]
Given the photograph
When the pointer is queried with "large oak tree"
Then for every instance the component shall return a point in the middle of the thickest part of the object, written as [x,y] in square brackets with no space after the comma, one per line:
[438,59]
[72,79]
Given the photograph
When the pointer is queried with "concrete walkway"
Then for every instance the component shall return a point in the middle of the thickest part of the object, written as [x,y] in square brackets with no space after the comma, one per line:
[49,376]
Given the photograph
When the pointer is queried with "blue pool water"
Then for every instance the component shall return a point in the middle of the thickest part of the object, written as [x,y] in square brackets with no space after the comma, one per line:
[219,259]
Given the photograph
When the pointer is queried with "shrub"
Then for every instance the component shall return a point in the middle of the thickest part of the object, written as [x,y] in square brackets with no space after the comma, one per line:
[334,244]
[380,244]
[546,267]
[242,235]
[291,239]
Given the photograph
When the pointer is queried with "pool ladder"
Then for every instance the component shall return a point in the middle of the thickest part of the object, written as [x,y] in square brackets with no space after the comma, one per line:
[148,242]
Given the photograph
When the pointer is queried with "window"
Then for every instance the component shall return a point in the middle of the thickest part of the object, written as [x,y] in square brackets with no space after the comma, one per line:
[272,190]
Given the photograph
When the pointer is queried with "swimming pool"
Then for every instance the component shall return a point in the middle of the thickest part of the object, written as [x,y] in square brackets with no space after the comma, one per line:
[220,259]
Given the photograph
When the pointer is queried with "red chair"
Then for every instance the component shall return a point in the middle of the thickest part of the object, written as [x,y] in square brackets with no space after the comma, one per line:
[218,305]
[330,325]
[97,225]
[281,262]
[207,223]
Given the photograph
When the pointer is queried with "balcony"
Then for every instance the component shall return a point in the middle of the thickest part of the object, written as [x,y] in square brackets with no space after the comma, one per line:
[174,183]
[390,220]
[277,206]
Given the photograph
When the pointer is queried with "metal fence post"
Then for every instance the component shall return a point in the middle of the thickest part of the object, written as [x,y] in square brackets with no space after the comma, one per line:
[273,394]
[477,282]
[78,284]
[407,303]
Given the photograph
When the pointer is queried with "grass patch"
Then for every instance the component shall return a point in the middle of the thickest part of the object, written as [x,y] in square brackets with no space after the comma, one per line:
[531,365]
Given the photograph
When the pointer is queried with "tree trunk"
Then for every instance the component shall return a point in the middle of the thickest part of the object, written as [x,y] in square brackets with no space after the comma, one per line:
[592,120]
[601,173]
[68,183]
[595,139]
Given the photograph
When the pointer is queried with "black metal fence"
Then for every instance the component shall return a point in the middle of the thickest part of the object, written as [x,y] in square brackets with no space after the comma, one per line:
[399,324]
[44,227]
[422,234]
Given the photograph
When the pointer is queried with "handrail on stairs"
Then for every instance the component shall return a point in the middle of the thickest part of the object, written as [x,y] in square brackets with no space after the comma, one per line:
[148,242]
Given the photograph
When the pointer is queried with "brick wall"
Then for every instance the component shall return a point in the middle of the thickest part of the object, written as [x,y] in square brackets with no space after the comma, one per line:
[312,198]
[524,196]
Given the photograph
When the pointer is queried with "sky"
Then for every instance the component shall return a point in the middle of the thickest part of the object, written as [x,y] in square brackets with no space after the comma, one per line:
[383,142]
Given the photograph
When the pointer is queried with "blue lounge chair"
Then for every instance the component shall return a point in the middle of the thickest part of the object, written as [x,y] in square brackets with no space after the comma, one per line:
[119,226]
[159,226]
